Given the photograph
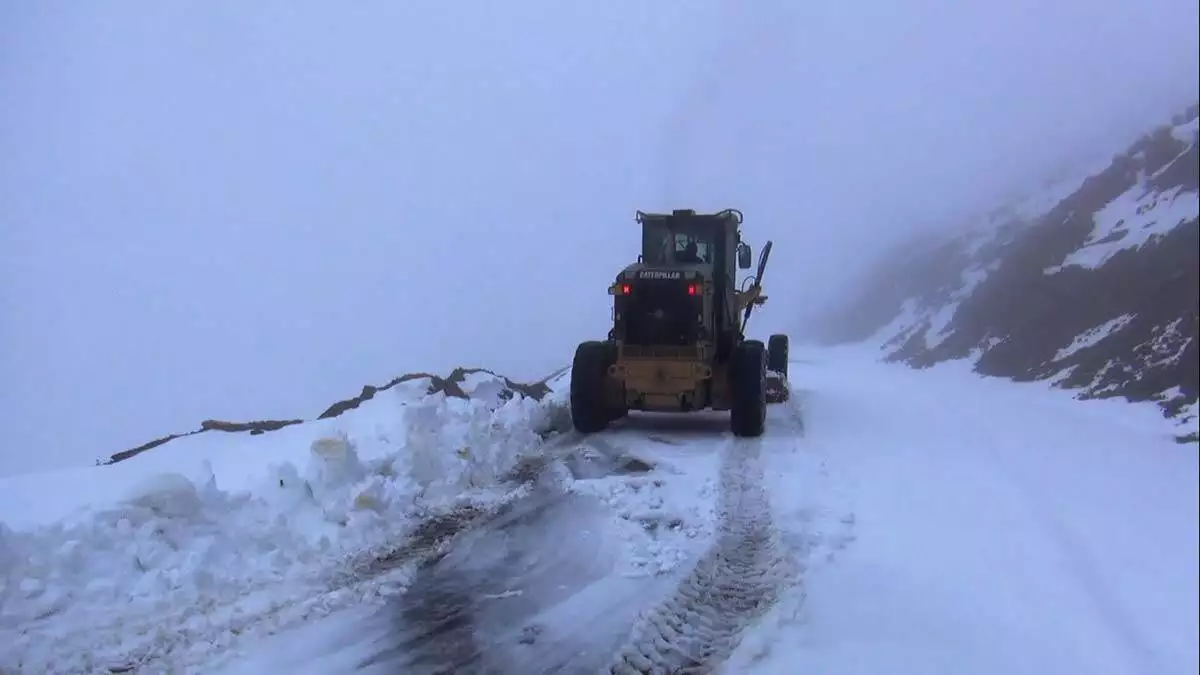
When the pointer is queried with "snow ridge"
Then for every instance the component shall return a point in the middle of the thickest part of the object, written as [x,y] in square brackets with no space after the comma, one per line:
[737,581]
[188,566]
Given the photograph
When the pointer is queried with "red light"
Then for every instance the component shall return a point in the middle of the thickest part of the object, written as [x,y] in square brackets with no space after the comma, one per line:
[626,289]
[693,289]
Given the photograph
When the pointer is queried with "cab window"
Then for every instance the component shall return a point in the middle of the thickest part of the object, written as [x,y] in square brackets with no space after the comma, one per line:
[690,248]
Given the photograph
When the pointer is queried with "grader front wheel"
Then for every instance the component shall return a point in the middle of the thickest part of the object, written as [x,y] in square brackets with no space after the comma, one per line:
[748,373]
[777,353]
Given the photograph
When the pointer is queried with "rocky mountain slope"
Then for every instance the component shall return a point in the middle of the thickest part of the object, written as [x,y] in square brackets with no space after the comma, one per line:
[1093,284]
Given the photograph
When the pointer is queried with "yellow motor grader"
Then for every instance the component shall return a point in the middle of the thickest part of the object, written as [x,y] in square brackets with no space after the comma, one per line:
[678,340]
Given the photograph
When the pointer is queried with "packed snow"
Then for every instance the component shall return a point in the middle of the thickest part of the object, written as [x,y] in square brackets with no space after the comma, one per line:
[928,522]
[968,524]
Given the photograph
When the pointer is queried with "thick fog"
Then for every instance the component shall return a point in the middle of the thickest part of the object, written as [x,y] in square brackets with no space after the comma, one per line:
[248,210]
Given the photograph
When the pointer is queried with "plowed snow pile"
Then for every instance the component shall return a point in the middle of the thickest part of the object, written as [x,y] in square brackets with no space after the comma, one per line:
[158,563]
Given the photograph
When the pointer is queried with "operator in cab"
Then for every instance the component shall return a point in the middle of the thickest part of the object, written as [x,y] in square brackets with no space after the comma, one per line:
[688,255]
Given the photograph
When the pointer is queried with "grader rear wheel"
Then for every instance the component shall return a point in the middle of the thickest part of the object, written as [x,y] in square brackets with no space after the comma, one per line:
[590,412]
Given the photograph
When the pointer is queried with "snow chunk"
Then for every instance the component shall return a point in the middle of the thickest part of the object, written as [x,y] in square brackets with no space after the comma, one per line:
[334,463]
[167,495]
[666,517]
[485,386]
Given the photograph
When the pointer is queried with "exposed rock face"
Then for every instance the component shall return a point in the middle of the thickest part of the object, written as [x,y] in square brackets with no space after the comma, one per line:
[1096,291]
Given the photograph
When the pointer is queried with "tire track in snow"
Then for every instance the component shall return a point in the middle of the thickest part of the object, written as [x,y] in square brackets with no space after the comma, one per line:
[737,581]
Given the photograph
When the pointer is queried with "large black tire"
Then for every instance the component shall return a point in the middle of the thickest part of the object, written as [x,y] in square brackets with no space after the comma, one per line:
[617,389]
[589,413]
[748,383]
[777,353]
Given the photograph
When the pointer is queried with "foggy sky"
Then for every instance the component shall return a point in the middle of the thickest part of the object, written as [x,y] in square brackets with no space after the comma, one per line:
[248,210]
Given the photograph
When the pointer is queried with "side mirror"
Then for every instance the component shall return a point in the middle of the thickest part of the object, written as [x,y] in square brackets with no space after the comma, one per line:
[743,255]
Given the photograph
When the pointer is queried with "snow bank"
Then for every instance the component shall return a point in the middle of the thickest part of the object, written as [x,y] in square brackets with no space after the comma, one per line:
[209,541]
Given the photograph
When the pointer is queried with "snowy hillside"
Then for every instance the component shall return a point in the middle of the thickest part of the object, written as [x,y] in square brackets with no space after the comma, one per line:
[1091,284]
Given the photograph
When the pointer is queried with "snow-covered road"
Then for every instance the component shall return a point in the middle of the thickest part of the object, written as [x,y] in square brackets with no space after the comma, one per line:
[999,528]
[890,521]
[483,607]
[594,571]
